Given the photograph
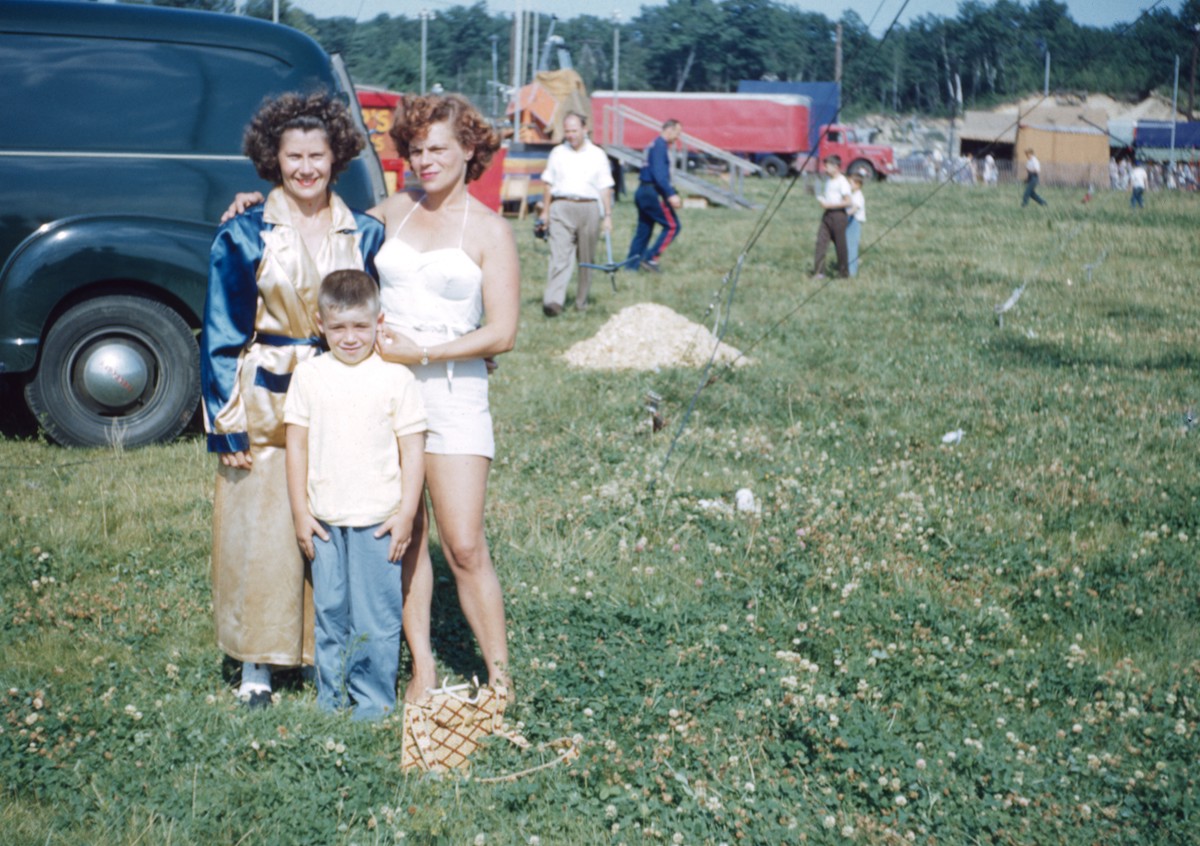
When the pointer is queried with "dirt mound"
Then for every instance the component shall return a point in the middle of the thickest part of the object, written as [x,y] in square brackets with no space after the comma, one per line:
[647,336]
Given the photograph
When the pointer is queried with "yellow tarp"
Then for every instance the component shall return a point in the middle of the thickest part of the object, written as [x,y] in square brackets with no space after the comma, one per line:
[546,101]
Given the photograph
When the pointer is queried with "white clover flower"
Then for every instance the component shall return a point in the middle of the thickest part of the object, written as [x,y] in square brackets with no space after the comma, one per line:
[480,839]
[829,821]
[847,831]
[901,800]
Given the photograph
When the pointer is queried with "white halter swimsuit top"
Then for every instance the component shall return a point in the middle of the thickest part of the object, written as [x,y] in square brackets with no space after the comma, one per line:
[432,296]
[435,295]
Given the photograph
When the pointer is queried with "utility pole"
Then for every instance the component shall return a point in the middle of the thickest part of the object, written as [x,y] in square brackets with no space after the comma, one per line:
[424,15]
[518,59]
[837,56]
[614,120]
[495,78]
[1046,84]
[1174,110]
[1192,83]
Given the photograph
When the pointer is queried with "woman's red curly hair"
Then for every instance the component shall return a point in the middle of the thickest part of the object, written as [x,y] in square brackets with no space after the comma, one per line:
[417,113]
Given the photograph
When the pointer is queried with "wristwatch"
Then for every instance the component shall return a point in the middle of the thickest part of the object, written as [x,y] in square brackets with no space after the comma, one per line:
[424,355]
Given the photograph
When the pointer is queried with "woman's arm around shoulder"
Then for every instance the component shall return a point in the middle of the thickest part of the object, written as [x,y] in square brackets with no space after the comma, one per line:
[392,210]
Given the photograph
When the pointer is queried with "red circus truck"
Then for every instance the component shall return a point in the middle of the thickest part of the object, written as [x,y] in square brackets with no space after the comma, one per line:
[772,130]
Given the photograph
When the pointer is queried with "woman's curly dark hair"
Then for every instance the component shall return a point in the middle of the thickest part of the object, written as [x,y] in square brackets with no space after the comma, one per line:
[416,114]
[321,111]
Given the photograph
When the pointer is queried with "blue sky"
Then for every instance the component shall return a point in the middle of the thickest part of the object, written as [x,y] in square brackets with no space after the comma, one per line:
[1090,12]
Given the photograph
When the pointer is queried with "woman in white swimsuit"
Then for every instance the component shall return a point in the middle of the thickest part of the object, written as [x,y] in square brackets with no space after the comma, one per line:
[449,262]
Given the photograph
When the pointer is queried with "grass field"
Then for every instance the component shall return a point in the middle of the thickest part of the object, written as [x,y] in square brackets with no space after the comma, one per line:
[994,641]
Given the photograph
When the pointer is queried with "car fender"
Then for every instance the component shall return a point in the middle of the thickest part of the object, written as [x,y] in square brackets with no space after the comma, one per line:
[68,260]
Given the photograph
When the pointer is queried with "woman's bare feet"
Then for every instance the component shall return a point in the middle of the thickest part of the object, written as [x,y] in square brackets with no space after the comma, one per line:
[419,685]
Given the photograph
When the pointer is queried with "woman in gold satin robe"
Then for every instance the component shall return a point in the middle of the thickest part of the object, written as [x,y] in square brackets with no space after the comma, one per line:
[259,323]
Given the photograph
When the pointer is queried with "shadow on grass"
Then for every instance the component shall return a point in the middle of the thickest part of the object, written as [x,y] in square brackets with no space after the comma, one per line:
[1031,351]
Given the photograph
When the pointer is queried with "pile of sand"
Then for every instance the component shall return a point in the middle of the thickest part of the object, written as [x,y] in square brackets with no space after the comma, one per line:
[647,337]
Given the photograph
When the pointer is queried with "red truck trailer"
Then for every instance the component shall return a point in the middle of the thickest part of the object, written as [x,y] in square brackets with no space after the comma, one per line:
[769,129]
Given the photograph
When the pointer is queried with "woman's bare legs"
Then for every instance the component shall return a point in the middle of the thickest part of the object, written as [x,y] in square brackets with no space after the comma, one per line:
[457,489]
[417,574]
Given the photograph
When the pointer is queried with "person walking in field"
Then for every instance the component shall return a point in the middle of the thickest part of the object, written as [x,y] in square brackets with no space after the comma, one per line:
[579,189]
[1033,172]
[835,200]
[657,202]
[1138,180]
[355,471]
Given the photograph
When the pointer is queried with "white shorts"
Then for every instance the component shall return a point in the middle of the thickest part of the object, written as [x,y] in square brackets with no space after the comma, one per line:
[456,407]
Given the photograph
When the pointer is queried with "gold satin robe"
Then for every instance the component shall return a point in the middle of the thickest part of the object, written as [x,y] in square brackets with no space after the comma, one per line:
[262,584]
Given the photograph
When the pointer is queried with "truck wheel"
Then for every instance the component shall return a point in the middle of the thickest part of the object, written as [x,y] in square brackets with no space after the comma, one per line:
[116,370]
[774,166]
[863,168]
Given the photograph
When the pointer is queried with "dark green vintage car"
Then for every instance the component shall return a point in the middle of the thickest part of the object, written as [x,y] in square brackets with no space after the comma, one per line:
[120,146]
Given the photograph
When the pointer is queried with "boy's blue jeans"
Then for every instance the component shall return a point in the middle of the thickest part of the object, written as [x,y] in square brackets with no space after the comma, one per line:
[853,237]
[358,599]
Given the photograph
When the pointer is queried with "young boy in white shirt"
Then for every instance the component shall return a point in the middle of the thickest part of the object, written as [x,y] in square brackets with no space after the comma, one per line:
[858,218]
[355,470]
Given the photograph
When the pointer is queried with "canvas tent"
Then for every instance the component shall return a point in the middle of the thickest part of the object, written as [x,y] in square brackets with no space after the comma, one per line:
[988,132]
[1071,143]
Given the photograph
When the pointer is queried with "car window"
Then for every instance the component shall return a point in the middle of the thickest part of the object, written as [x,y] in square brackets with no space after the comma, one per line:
[104,95]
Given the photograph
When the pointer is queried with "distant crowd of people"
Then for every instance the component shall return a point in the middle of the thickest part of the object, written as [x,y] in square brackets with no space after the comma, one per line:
[1172,176]
[968,169]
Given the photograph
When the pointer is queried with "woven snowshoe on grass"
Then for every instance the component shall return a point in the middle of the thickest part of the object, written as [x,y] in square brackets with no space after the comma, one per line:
[441,733]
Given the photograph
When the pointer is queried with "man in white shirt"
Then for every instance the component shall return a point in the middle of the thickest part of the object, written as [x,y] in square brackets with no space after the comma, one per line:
[835,199]
[578,206]
[1138,180]
[1033,172]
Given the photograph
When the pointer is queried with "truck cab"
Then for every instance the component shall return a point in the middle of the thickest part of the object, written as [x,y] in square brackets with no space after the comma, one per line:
[871,161]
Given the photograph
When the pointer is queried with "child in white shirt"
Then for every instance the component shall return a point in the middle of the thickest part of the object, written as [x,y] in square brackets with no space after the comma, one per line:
[858,217]
[355,471]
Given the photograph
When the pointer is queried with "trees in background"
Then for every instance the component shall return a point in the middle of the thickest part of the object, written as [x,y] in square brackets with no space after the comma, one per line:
[990,51]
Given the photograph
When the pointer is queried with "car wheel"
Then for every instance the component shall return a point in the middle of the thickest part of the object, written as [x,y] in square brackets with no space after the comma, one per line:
[774,166]
[863,168]
[116,370]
